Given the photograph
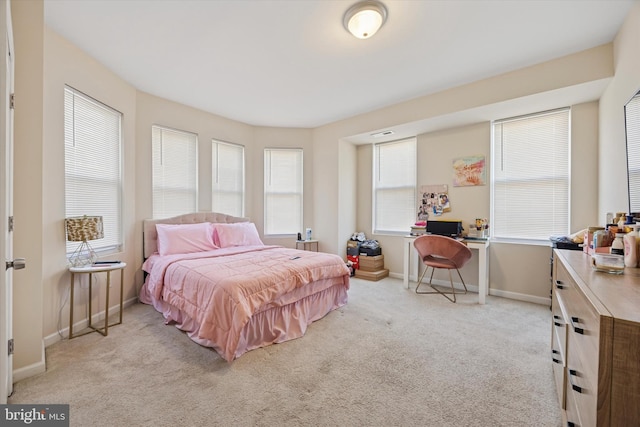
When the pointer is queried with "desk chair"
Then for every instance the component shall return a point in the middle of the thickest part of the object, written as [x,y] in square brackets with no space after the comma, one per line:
[442,252]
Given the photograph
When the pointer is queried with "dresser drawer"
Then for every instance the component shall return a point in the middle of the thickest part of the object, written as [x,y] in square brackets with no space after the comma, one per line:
[582,370]
[571,411]
[559,374]
[558,348]
[582,394]
[558,327]
[583,336]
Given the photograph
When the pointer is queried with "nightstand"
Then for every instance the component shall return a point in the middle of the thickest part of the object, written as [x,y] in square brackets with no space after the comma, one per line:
[91,270]
[307,245]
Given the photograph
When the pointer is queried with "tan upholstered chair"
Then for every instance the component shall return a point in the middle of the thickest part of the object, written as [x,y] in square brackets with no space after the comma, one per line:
[442,252]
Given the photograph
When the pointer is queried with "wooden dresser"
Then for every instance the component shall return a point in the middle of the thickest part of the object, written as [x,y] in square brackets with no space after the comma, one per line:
[595,342]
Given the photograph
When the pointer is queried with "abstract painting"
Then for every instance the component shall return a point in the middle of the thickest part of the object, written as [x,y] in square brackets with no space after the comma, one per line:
[468,171]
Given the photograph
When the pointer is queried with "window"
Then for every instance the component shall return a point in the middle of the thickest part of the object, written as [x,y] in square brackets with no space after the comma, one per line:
[632,128]
[282,191]
[175,172]
[394,186]
[92,166]
[530,176]
[227,186]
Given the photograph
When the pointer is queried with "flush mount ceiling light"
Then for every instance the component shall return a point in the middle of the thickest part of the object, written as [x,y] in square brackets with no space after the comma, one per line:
[365,18]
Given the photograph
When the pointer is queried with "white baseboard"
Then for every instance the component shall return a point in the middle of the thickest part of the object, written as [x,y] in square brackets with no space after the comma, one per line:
[31,370]
[84,323]
[521,297]
[473,288]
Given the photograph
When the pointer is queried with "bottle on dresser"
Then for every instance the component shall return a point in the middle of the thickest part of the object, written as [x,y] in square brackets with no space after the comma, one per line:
[631,241]
[617,247]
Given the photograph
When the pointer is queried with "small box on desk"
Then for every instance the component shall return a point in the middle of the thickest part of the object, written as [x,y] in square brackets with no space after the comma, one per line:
[372,275]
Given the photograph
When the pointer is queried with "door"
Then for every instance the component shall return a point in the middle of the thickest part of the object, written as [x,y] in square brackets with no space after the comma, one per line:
[6,201]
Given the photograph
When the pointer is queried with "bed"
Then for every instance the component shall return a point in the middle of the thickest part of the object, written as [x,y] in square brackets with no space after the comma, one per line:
[210,275]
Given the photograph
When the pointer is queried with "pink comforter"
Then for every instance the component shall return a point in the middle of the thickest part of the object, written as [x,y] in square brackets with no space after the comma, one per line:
[222,289]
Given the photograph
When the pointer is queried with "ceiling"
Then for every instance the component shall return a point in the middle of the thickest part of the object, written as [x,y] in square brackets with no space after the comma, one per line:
[291,63]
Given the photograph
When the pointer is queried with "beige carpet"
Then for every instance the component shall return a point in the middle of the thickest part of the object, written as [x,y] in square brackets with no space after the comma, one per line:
[388,358]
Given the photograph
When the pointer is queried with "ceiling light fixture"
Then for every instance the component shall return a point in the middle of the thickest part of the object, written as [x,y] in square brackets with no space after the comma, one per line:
[383,133]
[365,18]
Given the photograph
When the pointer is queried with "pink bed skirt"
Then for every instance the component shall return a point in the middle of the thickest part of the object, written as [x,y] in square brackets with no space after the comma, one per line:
[272,324]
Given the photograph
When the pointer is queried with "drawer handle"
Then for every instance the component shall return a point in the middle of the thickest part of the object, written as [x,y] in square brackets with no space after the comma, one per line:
[559,284]
[556,317]
[553,358]
[574,386]
[575,320]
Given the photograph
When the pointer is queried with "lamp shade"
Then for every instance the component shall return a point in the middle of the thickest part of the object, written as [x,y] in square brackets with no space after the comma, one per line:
[365,18]
[83,228]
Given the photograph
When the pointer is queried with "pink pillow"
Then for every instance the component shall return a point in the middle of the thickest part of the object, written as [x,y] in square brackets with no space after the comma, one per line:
[185,238]
[237,234]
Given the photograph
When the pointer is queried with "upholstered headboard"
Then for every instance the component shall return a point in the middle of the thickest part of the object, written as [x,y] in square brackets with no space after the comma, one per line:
[150,235]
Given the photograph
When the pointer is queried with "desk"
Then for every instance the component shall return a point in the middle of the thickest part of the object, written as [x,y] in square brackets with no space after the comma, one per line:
[481,246]
[304,244]
[91,270]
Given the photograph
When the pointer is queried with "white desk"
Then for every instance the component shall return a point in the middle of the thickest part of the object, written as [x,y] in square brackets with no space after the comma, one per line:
[481,246]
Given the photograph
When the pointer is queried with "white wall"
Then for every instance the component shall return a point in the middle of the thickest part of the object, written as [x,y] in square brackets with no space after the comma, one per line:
[29,180]
[65,64]
[613,190]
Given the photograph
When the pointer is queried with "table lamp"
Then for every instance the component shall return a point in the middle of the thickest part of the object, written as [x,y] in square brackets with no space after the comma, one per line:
[82,229]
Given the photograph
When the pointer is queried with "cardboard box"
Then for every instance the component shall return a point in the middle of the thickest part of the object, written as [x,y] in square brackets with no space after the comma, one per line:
[372,275]
[372,263]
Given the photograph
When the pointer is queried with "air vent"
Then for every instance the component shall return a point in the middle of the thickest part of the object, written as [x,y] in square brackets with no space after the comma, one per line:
[383,133]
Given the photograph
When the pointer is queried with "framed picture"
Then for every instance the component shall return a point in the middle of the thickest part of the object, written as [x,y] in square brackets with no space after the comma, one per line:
[468,171]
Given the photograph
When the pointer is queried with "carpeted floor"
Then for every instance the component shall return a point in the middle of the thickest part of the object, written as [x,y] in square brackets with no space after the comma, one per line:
[388,358]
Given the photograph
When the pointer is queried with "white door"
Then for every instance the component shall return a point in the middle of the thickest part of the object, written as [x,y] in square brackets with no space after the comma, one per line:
[6,200]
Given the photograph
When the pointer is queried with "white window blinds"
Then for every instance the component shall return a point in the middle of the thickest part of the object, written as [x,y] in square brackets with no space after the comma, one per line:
[282,191]
[394,186]
[175,172]
[92,160]
[530,182]
[227,162]
[632,119]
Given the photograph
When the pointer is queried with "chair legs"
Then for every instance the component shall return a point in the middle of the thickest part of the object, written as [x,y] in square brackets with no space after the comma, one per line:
[438,291]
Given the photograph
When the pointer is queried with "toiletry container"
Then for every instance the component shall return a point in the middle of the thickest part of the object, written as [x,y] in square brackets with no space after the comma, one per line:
[630,241]
[601,238]
[617,247]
